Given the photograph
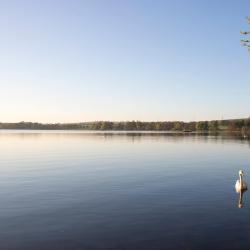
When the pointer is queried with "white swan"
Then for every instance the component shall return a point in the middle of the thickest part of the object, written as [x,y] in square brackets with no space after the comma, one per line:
[240,185]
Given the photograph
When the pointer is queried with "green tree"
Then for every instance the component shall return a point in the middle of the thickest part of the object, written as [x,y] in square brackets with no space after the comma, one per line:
[158,126]
[178,126]
[191,126]
[130,125]
[213,125]
[106,125]
[202,126]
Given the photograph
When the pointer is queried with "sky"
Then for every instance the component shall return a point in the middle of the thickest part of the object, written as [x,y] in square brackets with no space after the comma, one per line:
[150,60]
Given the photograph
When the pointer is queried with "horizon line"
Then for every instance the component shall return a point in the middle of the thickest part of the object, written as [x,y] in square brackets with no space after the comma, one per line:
[117,121]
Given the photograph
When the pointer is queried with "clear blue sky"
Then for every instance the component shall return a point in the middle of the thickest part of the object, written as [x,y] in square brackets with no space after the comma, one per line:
[70,61]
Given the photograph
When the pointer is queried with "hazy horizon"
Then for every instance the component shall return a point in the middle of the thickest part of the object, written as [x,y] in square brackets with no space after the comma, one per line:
[80,61]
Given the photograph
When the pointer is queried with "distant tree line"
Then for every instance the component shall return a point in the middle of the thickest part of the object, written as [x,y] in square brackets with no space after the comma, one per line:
[234,125]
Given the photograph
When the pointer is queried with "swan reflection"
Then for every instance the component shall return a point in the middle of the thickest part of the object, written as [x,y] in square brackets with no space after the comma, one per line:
[240,202]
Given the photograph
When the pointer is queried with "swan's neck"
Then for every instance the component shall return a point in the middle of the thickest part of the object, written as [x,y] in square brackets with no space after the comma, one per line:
[241,182]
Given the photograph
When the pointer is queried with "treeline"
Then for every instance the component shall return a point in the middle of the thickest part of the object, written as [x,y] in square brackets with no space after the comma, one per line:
[235,125]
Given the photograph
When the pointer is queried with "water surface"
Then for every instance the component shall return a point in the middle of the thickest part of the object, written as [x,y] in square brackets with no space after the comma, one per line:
[82,190]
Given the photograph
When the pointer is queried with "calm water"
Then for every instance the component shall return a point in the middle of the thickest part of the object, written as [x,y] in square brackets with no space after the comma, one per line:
[71,190]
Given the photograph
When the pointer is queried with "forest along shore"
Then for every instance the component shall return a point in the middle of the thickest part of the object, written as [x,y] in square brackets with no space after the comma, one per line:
[233,125]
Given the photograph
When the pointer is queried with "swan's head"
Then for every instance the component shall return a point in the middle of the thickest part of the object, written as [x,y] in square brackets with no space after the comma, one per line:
[241,173]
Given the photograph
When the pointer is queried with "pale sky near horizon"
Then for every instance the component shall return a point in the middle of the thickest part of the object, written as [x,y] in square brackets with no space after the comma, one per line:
[72,61]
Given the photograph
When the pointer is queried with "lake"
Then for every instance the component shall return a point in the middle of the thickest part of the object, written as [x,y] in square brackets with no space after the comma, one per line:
[85,190]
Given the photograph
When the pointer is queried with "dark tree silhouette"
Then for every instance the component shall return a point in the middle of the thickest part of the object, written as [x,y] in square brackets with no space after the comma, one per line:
[246,41]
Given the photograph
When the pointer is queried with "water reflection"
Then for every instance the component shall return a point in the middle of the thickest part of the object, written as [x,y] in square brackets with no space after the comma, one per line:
[124,190]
